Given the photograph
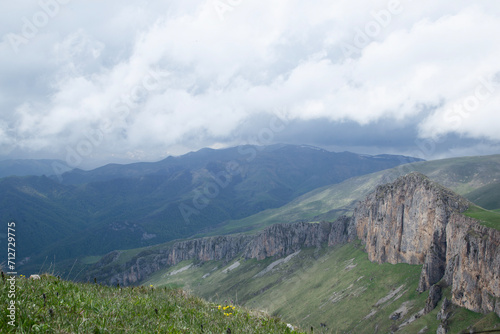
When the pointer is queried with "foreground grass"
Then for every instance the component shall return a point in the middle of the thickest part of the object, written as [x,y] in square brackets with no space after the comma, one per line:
[488,218]
[52,305]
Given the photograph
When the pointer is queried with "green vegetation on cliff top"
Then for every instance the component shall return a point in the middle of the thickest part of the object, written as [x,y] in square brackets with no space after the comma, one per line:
[488,218]
[51,305]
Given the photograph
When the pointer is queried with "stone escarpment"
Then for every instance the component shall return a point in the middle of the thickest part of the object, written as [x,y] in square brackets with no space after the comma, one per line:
[151,260]
[278,240]
[405,222]
[416,221]
[284,239]
[473,264]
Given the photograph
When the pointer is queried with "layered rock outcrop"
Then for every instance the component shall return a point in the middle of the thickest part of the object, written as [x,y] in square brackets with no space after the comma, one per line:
[284,239]
[405,222]
[152,260]
[417,221]
[473,264]
[278,240]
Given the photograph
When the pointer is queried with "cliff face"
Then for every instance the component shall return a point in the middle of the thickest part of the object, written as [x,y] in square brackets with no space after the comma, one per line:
[473,264]
[416,221]
[284,239]
[405,222]
[278,240]
[150,261]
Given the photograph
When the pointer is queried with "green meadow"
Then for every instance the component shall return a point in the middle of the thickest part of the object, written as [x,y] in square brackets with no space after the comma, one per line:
[53,305]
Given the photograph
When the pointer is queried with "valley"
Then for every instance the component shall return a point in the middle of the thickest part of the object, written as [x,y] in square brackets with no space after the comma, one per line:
[337,286]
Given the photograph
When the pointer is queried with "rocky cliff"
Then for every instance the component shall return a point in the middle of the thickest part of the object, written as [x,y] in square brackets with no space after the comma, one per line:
[147,262]
[278,240]
[284,239]
[473,264]
[417,221]
[406,221]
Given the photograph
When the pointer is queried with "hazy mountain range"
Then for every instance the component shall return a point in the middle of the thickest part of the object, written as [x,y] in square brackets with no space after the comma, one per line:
[25,167]
[124,206]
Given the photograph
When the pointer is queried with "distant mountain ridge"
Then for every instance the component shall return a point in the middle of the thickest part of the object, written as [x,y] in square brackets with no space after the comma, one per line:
[246,154]
[31,167]
[128,206]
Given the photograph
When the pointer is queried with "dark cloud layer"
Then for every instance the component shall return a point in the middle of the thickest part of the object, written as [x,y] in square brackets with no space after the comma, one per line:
[121,80]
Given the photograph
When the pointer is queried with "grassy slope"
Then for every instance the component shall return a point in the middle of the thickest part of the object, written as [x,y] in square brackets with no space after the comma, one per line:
[335,286]
[51,305]
[334,200]
[462,175]
[487,197]
[488,218]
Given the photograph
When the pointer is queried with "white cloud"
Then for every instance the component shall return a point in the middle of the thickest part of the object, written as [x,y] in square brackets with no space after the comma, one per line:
[185,75]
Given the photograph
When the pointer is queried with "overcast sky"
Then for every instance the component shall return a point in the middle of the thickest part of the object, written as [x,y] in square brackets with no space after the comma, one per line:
[99,81]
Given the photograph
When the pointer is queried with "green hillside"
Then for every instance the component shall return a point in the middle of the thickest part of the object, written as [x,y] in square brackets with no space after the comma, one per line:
[475,178]
[52,305]
[487,197]
[331,290]
[326,203]
[338,287]
[41,210]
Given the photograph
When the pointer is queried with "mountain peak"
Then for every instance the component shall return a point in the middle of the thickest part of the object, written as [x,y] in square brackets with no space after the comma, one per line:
[416,180]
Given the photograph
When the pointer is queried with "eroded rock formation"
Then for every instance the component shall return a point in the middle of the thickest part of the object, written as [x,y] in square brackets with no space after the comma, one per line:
[405,222]
[284,239]
[473,264]
[278,240]
[416,221]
